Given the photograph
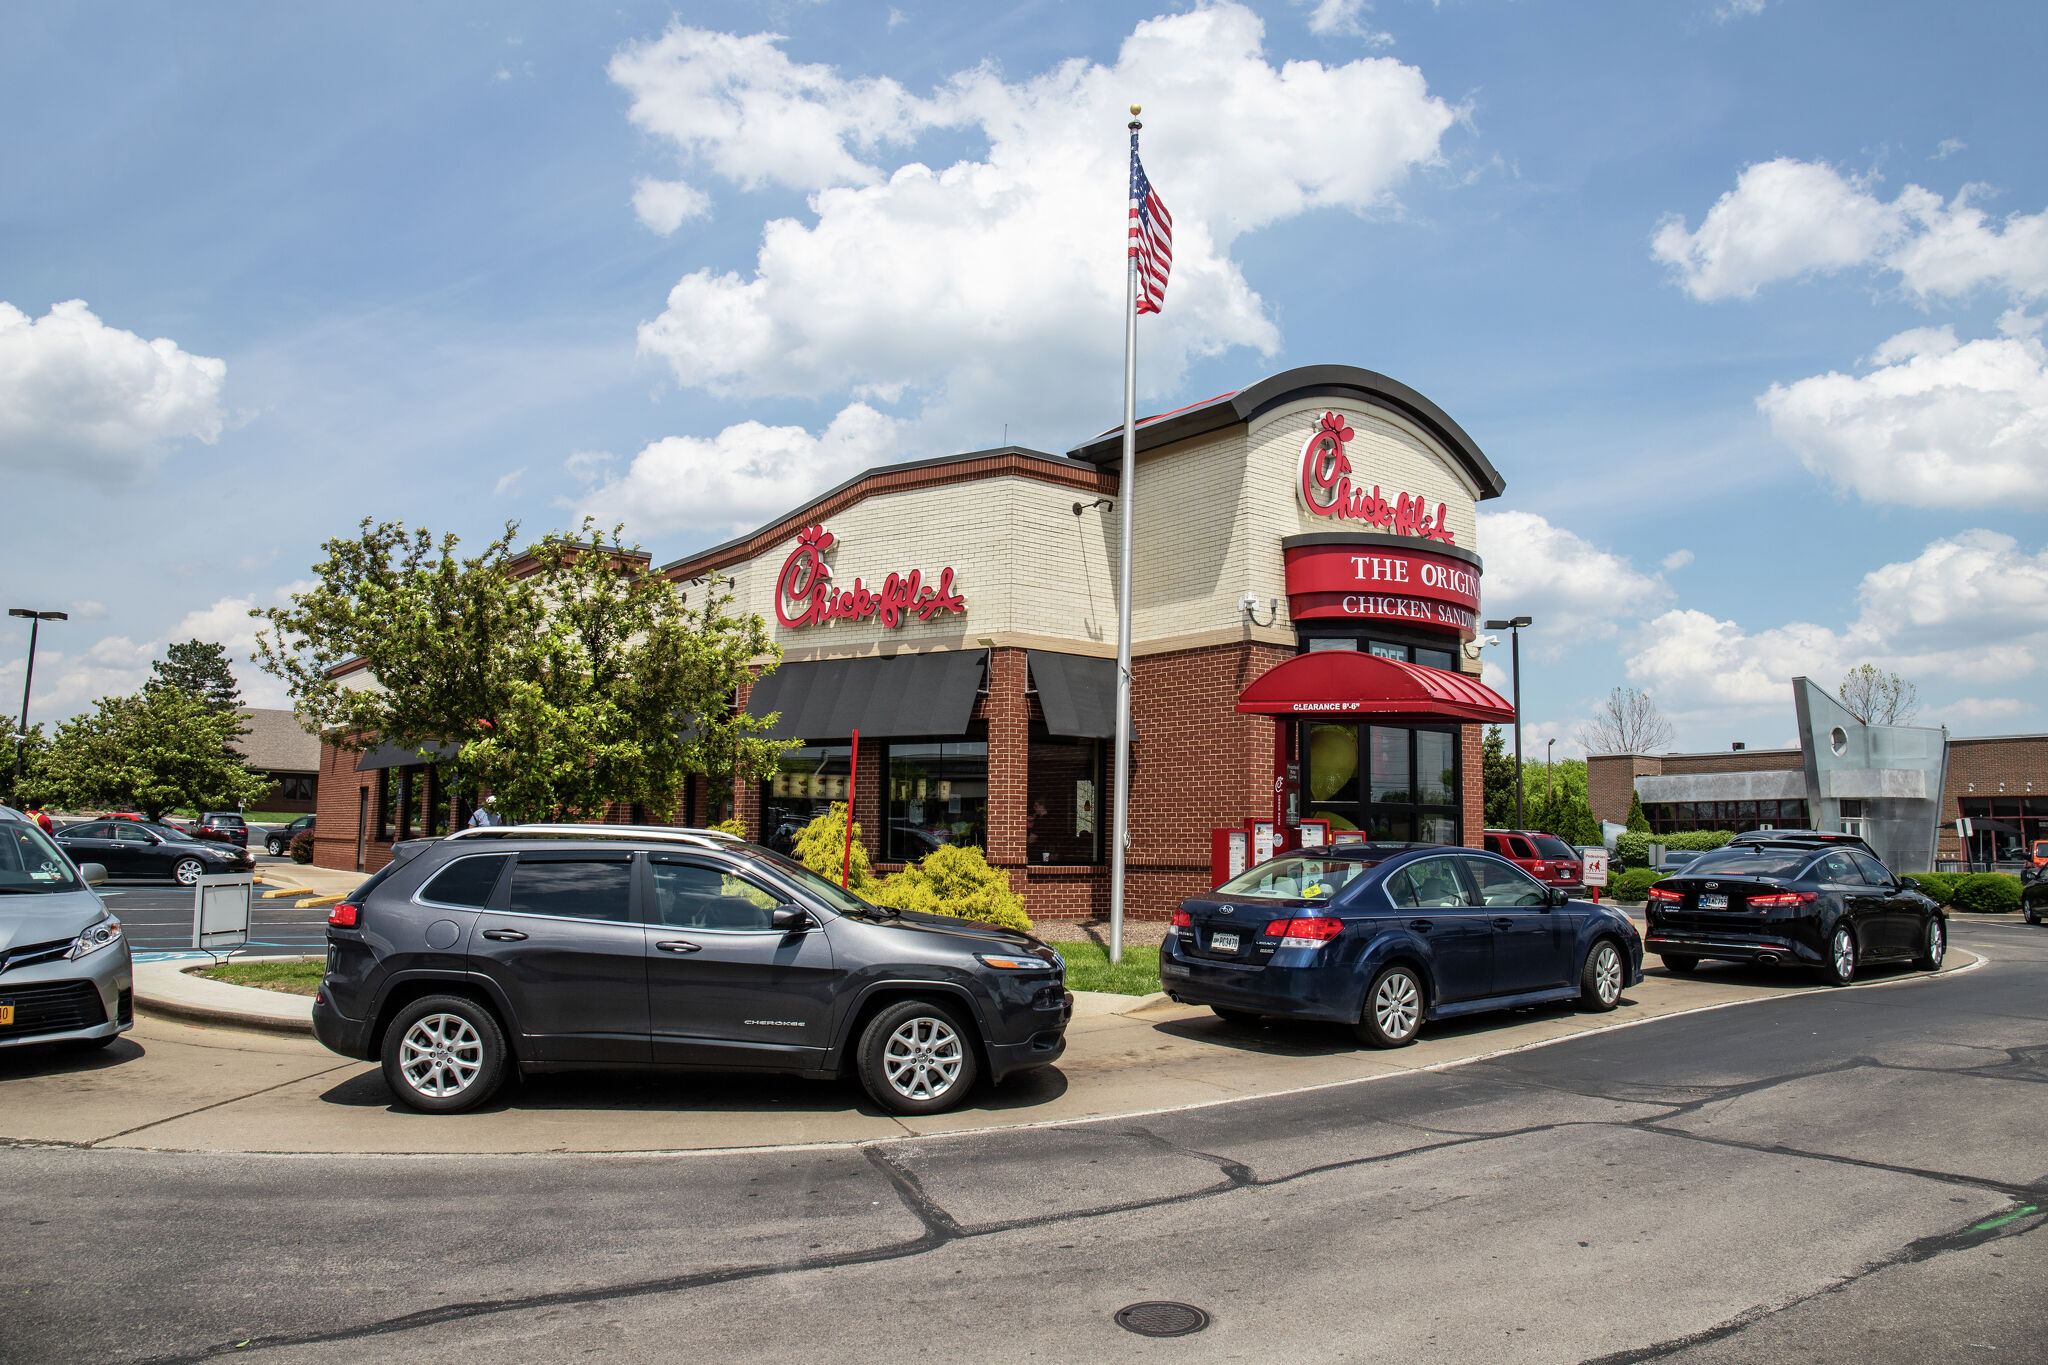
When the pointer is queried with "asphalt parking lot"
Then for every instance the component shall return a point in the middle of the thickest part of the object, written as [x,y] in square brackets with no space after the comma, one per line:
[158,915]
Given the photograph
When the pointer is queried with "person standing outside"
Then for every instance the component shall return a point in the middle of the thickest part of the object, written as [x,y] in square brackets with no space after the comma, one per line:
[486,815]
[42,818]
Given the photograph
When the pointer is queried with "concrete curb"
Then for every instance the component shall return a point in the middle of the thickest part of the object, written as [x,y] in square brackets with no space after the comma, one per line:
[169,989]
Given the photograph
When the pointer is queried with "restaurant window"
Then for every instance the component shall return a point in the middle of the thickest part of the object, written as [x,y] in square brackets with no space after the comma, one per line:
[1063,822]
[295,787]
[387,802]
[806,783]
[938,794]
[1402,651]
[1680,817]
[2006,827]
[1393,781]
[434,810]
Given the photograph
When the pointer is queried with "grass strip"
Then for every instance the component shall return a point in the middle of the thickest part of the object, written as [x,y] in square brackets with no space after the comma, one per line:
[1089,968]
[293,978]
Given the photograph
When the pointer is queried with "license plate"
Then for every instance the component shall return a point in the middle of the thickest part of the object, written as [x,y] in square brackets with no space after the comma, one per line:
[1223,943]
[1713,902]
[6,1015]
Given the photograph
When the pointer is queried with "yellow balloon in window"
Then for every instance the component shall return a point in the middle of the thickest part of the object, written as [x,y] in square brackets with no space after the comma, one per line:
[1332,760]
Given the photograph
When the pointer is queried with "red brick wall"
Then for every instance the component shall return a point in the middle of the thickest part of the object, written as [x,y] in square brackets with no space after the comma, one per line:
[1008,712]
[1734,761]
[1611,782]
[1989,767]
[1472,772]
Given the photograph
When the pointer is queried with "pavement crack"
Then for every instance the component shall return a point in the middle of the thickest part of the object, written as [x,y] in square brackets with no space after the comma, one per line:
[910,1190]
[233,1099]
[2010,1188]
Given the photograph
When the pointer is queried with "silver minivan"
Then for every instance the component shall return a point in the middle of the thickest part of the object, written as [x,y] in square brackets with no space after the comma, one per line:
[65,974]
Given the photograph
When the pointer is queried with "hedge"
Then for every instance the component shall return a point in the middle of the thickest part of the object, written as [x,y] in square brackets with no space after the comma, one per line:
[302,847]
[1939,887]
[1633,848]
[1986,893]
[1633,886]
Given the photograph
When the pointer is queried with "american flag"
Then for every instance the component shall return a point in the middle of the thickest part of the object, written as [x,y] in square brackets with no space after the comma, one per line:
[1151,237]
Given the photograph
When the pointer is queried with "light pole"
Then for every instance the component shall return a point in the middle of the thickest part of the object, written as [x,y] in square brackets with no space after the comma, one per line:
[1513,626]
[35,623]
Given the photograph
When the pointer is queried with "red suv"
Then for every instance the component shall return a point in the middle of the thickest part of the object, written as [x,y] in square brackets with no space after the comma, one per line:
[1545,857]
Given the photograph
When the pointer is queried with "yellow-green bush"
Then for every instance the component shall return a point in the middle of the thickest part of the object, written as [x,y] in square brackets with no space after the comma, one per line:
[822,848]
[953,880]
[735,827]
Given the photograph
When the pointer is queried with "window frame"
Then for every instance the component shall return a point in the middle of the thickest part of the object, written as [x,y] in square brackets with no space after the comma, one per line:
[1362,809]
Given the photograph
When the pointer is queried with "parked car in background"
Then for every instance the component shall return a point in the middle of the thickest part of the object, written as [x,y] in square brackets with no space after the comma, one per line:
[65,975]
[135,848]
[1678,859]
[1545,857]
[554,946]
[221,826]
[1816,901]
[279,842]
[1385,937]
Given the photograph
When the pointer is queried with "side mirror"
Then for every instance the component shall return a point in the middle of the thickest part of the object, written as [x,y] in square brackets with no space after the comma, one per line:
[94,873]
[788,920]
[1559,896]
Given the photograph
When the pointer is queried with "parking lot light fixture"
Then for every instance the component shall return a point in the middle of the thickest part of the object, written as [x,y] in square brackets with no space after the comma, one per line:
[1513,626]
[35,621]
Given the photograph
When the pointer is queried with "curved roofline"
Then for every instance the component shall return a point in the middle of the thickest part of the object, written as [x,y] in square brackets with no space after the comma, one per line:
[1309,381]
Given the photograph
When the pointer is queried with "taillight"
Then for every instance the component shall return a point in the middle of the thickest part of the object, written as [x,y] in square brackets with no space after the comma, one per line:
[1182,919]
[1658,893]
[1780,900]
[1305,933]
[1541,867]
[342,916]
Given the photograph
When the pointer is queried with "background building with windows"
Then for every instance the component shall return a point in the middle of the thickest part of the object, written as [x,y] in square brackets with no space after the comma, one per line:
[277,746]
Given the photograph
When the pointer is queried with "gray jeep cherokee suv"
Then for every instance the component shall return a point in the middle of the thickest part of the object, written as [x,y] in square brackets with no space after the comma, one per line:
[549,947]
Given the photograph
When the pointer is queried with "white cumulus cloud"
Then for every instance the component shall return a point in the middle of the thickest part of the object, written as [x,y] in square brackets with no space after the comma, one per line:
[1573,589]
[736,480]
[80,398]
[1787,218]
[1935,422]
[663,205]
[992,288]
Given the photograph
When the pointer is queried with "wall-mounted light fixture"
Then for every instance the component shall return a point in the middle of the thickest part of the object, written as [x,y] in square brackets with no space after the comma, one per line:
[1081,507]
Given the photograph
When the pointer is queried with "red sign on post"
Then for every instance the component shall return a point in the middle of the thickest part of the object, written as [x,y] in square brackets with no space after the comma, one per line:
[1374,583]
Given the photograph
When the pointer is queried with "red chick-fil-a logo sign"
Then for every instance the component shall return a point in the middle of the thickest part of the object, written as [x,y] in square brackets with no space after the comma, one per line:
[805,596]
[1327,489]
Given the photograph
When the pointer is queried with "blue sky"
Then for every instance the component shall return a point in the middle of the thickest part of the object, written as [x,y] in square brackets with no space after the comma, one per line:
[1742,296]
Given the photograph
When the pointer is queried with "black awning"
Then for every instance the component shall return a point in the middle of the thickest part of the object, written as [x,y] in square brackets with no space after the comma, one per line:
[1077,694]
[405,756]
[909,694]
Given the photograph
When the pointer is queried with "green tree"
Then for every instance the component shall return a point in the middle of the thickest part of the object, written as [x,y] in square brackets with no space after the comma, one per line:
[1498,773]
[35,789]
[201,667]
[1877,697]
[158,750]
[565,676]
[1637,821]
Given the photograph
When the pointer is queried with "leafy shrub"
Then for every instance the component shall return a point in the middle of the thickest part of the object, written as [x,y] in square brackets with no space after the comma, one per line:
[954,880]
[1986,893]
[822,848]
[1638,823]
[1939,887]
[1632,849]
[302,847]
[736,827]
[1633,886]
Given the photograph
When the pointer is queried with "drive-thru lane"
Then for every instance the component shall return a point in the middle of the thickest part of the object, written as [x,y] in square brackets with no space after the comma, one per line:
[1849,1174]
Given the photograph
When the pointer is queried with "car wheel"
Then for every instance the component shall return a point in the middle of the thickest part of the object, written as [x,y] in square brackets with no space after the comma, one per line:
[1600,979]
[1839,969]
[1934,946]
[1681,966]
[1393,1009]
[444,1054]
[188,871]
[274,847]
[2033,915]
[916,1058]
[1242,1018]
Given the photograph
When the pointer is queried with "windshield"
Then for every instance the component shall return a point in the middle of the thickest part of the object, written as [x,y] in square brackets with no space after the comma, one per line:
[832,893]
[1549,846]
[1747,863]
[30,863]
[1295,879]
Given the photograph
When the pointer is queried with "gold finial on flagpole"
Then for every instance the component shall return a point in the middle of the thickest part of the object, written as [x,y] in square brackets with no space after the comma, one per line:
[1135,110]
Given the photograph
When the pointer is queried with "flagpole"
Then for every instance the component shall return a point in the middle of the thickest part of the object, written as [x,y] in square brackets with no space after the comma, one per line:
[1127,487]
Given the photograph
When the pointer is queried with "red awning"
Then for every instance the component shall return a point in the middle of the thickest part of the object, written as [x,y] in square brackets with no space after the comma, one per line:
[1341,682]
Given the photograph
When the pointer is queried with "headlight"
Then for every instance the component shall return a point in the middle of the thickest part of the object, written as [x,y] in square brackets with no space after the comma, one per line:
[1016,964]
[104,934]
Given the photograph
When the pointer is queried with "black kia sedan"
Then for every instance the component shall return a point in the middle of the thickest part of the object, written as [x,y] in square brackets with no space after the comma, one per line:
[1385,937]
[139,849]
[1821,904]
[538,948]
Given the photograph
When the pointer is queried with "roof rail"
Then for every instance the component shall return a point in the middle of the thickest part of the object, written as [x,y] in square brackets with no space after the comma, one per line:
[702,838]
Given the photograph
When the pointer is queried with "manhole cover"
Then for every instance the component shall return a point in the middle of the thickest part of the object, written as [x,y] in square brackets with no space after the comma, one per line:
[1162,1319]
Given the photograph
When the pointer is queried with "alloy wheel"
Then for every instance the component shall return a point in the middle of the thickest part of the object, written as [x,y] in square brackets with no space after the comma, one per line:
[441,1055]
[1936,942]
[188,871]
[1607,973]
[1397,1005]
[923,1058]
[1843,950]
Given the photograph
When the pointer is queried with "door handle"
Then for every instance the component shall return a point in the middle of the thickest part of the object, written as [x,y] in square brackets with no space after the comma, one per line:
[678,945]
[1503,922]
[504,935]
[1420,926]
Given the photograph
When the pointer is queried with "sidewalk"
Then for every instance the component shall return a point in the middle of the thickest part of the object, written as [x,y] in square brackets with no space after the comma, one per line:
[316,881]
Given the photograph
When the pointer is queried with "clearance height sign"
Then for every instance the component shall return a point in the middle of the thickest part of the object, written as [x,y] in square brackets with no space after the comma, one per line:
[1382,583]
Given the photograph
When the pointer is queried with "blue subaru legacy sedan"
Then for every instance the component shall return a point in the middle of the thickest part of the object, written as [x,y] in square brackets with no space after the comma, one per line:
[1383,937]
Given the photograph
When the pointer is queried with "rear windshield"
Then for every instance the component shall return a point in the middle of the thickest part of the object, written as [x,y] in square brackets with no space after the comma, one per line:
[225,821]
[1296,879]
[1547,846]
[1748,864]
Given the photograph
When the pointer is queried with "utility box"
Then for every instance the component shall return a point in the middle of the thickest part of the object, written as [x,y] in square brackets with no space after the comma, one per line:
[1229,854]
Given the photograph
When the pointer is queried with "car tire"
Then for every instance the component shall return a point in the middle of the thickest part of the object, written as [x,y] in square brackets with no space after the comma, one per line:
[1241,1018]
[1394,1006]
[1838,965]
[1679,966]
[1602,978]
[187,871]
[1933,945]
[443,1054]
[916,1057]
[274,847]
[2033,915]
